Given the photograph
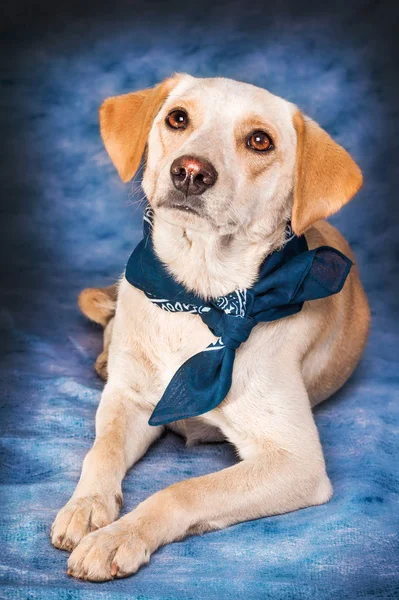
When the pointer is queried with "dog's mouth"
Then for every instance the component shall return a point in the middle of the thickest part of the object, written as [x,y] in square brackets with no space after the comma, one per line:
[186,205]
[185,208]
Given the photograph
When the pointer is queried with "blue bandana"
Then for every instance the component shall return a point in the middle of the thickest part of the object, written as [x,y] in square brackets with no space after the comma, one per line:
[287,278]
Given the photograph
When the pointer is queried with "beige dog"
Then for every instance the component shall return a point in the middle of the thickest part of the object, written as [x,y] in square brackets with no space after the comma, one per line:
[254,161]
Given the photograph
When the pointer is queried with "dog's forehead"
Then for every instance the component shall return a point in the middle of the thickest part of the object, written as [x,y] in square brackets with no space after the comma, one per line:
[232,98]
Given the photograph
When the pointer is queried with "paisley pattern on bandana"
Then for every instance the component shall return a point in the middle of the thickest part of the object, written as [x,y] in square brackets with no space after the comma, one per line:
[233,304]
[148,215]
[165,304]
[218,345]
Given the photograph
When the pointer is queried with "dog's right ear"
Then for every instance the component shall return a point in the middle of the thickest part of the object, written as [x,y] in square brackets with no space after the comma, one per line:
[326,176]
[125,122]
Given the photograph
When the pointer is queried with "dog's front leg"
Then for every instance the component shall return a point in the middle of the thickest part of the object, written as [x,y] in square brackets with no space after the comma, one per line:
[122,437]
[278,474]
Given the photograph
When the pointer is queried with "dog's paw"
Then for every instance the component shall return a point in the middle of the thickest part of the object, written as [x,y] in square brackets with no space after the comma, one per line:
[115,551]
[101,365]
[80,516]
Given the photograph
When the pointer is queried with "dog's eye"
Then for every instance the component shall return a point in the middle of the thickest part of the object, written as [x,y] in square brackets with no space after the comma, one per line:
[177,119]
[259,141]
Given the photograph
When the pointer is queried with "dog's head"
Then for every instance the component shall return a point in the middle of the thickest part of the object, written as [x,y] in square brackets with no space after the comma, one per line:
[226,156]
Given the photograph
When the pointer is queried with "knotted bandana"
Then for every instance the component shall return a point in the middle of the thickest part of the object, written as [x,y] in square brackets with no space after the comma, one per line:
[287,278]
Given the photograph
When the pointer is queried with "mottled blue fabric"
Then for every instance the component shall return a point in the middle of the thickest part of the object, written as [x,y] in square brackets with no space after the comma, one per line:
[68,222]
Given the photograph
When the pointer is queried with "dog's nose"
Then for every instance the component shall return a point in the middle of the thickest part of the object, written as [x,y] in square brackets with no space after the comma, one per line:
[192,175]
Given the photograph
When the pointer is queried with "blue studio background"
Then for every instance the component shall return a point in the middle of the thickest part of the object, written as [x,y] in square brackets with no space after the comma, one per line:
[68,222]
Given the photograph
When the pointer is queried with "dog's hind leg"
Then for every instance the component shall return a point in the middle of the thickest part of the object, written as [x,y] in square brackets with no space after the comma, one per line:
[98,305]
[101,364]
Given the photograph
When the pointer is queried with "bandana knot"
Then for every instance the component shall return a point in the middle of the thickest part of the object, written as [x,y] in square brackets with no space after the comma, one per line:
[228,318]
[236,330]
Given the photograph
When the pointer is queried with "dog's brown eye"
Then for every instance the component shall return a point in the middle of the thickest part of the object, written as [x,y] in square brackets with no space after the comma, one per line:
[260,141]
[177,119]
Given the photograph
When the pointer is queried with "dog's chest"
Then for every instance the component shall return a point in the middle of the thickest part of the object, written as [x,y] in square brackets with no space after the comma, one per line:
[167,339]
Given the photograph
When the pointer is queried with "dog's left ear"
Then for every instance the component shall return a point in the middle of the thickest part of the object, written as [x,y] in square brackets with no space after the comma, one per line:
[326,176]
[125,122]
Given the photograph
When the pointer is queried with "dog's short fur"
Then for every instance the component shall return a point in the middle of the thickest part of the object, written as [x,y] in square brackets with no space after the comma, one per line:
[285,367]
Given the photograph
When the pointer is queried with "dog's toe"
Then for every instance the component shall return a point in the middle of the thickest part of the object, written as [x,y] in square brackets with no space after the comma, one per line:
[79,517]
[115,551]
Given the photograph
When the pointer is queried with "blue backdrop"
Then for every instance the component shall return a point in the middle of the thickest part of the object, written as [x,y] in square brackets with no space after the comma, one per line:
[68,222]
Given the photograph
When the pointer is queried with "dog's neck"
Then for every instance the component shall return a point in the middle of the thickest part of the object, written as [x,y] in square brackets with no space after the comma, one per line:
[210,264]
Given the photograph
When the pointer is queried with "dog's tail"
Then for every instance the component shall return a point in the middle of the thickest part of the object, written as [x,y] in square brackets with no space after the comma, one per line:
[98,304]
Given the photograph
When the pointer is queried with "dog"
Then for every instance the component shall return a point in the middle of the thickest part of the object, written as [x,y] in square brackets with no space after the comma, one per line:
[227,166]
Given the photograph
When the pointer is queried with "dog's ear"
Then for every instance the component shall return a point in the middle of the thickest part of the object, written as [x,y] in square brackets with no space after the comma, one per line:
[326,176]
[125,122]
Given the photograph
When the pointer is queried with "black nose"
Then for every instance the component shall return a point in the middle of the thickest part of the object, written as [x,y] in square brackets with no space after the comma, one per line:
[192,175]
